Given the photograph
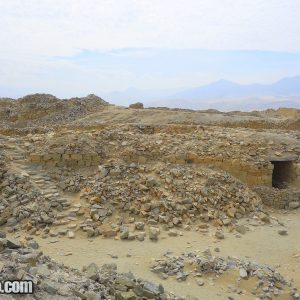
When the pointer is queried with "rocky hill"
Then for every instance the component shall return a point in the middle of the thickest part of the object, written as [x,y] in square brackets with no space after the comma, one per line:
[45,109]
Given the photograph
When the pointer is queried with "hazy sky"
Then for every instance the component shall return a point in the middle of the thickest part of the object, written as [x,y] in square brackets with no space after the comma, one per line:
[74,47]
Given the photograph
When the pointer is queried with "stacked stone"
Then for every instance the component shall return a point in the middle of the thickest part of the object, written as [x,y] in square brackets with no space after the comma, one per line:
[66,159]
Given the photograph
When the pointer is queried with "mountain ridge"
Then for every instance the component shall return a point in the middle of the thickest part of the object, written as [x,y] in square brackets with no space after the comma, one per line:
[221,94]
[223,88]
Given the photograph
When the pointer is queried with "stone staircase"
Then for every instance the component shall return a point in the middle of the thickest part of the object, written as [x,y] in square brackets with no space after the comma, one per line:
[47,187]
[37,176]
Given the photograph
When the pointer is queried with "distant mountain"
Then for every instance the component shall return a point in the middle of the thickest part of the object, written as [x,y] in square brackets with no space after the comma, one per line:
[221,94]
[228,89]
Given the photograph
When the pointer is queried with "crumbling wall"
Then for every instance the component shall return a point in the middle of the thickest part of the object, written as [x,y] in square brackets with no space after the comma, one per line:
[279,198]
[247,172]
[65,159]
[296,174]
[251,174]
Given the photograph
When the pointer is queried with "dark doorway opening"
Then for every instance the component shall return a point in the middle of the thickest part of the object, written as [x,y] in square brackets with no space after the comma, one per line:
[282,174]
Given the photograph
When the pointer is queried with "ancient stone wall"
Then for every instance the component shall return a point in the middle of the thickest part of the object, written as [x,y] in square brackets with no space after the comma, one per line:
[65,159]
[252,174]
[247,172]
[296,174]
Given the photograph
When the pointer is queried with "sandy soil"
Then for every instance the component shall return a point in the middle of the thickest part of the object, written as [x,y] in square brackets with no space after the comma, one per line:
[262,244]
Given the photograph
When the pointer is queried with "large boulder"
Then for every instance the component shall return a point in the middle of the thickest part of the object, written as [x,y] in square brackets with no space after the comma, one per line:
[137,105]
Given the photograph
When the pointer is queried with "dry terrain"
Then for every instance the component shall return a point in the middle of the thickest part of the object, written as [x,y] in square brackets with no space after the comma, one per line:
[106,202]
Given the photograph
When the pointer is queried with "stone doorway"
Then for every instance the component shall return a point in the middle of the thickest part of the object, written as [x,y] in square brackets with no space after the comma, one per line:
[283,173]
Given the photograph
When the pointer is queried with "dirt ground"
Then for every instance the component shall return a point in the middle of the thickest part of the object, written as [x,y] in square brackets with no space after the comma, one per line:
[262,244]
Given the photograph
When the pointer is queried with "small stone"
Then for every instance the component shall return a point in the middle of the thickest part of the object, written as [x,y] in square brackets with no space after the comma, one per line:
[92,271]
[33,244]
[219,235]
[12,244]
[131,236]
[49,287]
[181,276]
[3,243]
[107,231]
[124,233]
[12,222]
[226,221]
[153,233]
[200,282]
[90,232]
[282,232]
[242,229]
[243,273]
[172,232]
[294,204]
[139,225]
[52,233]
[141,236]
[71,234]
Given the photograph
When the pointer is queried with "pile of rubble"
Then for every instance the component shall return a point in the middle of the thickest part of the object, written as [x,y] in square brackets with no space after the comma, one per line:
[44,109]
[20,201]
[3,165]
[54,280]
[128,200]
[171,194]
[70,143]
[269,282]
[279,198]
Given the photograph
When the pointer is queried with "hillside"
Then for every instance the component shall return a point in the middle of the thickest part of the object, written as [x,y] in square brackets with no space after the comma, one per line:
[45,109]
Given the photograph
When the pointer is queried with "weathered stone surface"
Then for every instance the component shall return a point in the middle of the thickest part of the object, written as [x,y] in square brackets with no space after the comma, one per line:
[153,233]
[92,271]
[139,225]
[294,204]
[243,273]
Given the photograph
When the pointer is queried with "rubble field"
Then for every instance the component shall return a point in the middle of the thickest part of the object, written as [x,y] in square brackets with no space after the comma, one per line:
[106,202]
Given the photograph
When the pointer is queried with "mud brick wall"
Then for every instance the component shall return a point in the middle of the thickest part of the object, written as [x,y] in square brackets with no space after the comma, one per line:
[65,159]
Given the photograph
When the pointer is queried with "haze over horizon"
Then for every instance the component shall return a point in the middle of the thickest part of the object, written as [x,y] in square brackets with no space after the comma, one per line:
[73,48]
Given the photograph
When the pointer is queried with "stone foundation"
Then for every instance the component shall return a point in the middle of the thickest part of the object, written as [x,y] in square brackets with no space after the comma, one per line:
[65,159]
